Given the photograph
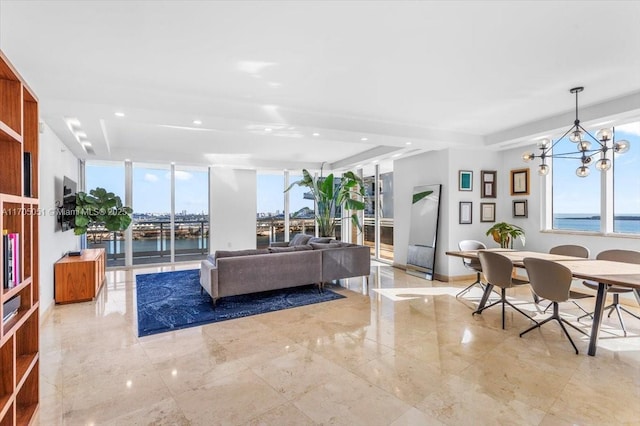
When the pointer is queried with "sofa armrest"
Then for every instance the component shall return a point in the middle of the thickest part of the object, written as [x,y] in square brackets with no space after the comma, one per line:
[209,278]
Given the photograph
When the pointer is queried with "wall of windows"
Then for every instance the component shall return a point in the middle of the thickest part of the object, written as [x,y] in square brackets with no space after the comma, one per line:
[601,202]
[154,237]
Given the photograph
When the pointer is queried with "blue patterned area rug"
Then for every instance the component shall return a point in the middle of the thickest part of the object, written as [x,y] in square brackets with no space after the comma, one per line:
[170,301]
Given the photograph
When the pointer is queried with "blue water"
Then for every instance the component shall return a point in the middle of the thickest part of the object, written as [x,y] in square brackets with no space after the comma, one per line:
[591,222]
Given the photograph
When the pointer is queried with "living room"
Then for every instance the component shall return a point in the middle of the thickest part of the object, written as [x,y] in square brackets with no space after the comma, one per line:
[420,90]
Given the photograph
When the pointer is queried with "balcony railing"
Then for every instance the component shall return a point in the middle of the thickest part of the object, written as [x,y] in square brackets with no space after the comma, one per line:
[152,241]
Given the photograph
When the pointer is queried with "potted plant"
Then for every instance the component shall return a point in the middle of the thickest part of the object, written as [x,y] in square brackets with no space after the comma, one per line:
[100,206]
[504,233]
[330,193]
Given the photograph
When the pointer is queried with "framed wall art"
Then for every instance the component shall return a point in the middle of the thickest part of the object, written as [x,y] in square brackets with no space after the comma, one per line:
[520,208]
[520,182]
[487,212]
[465,180]
[466,213]
[488,182]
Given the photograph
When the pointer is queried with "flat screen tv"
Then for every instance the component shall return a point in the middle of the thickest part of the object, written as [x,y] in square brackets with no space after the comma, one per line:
[67,209]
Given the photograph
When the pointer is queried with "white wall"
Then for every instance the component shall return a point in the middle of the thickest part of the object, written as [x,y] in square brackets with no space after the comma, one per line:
[442,167]
[232,206]
[56,161]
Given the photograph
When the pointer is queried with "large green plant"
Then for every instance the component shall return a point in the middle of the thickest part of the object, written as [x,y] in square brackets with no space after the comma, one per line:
[330,193]
[504,233]
[100,206]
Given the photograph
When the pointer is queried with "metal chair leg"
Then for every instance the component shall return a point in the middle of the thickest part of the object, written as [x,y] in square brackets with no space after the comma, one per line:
[566,333]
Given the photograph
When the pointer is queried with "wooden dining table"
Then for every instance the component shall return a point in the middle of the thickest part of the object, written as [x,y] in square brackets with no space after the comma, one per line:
[604,272]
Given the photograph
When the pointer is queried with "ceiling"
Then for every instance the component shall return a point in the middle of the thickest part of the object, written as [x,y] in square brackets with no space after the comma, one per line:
[300,84]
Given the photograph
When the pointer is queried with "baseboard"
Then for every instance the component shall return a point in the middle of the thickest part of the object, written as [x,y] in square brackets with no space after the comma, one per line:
[44,315]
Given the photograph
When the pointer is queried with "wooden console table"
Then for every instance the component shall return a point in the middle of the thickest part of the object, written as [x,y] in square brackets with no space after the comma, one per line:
[79,278]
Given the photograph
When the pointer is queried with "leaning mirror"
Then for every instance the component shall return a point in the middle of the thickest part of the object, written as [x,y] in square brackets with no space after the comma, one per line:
[425,212]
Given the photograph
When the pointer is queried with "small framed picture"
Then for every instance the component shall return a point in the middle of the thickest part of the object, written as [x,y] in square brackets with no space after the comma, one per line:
[520,208]
[466,212]
[520,182]
[488,183]
[487,212]
[465,180]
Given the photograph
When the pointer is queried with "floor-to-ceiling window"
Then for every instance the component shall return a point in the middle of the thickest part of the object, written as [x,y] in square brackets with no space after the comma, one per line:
[301,208]
[386,216]
[378,213]
[270,208]
[151,213]
[110,176]
[191,213]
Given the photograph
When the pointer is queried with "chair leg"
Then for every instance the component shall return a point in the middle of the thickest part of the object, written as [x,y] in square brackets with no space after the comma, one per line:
[566,333]
[556,316]
[547,308]
[629,312]
[536,326]
[589,314]
[514,307]
[479,311]
[617,308]
[468,288]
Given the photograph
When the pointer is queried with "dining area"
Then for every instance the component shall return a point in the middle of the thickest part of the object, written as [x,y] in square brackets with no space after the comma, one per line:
[565,274]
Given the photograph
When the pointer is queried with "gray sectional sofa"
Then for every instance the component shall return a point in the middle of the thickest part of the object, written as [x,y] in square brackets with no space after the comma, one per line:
[230,273]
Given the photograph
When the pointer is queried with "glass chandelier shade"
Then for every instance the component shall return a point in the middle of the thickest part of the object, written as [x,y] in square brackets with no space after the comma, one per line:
[587,147]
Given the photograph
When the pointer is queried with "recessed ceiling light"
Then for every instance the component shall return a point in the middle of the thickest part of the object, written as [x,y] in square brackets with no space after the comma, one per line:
[268,129]
[292,128]
[375,161]
[316,134]
[197,122]
[119,114]
[396,155]
[364,139]
[408,143]
[86,143]
[127,160]
[80,134]
[358,166]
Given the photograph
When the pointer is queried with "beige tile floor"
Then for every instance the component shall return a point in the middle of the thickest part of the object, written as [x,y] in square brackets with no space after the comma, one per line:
[403,351]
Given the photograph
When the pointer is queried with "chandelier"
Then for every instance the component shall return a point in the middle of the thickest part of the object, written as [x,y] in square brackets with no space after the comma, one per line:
[583,139]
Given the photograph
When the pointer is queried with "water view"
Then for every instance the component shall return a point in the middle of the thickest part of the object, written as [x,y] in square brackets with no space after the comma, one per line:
[624,224]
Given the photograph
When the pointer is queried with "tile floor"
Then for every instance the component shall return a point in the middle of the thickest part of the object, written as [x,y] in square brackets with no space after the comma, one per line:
[403,351]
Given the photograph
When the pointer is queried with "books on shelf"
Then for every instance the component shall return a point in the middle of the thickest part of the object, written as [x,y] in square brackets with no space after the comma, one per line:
[10,259]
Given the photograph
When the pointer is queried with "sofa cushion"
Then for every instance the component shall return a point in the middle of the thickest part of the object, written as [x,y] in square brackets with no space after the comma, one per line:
[289,249]
[236,253]
[299,240]
[322,240]
[323,246]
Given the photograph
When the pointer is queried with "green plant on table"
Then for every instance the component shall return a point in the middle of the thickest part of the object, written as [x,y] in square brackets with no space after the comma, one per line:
[504,233]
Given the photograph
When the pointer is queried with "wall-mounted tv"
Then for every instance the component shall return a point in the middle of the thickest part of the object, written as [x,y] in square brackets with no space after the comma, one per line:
[66,215]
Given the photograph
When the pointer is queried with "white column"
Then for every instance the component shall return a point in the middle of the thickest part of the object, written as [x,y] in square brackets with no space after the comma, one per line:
[360,237]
